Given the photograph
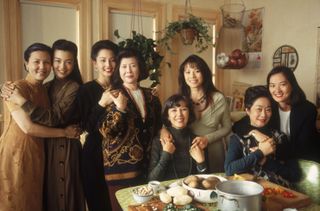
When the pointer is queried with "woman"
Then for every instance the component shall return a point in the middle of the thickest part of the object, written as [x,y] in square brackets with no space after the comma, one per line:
[177,158]
[128,126]
[293,114]
[252,147]
[63,186]
[92,98]
[212,112]
[21,152]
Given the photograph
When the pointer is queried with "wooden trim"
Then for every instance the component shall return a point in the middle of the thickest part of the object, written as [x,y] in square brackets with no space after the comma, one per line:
[153,8]
[12,52]
[208,15]
[13,37]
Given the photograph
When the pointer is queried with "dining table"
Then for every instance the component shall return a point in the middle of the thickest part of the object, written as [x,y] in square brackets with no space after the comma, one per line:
[125,198]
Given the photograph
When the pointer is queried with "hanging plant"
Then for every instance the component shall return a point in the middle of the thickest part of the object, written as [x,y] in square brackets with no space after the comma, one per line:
[147,48]
[195,25]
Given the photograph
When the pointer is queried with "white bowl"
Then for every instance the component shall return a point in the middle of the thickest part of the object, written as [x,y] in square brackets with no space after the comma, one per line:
[202,195]
[142,194]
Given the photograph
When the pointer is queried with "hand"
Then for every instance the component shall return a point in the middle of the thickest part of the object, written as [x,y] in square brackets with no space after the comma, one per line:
[201,141]
[120,100]
[165,134]
[16,97]
[258,135]
[7,89]
[72,131]
[155,90]
[267,147]
[197,153]
[168,146]
[106,97]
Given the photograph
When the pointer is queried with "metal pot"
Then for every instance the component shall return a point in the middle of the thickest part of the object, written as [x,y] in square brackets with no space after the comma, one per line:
[239,196]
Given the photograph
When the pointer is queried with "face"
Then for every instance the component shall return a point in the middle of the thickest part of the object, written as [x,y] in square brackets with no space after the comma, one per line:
[63,63]
[179,115]
[39,65]
[129,70]
[260,112]
[193,76]
[280,88]
[105,63]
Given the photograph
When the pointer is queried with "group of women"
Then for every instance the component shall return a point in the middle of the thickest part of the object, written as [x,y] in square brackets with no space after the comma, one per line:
[129,137]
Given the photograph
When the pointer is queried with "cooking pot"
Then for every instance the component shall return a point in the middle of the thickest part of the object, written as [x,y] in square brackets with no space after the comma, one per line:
[239,196]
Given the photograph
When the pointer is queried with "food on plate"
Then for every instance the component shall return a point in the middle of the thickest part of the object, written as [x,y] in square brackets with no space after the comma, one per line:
[190,178]
[143,191]
[182,199]
[189,207]
[176,191]
[238,177]
[165,197]
[268,191]
[201,183]
[210,182]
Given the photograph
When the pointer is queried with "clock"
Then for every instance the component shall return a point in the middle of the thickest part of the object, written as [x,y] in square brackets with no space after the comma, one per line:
[286,55]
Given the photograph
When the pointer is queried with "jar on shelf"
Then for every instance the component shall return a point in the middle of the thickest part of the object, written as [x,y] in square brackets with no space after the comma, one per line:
[231,52]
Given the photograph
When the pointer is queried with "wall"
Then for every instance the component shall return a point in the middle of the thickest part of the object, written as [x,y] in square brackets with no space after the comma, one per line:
[292,22]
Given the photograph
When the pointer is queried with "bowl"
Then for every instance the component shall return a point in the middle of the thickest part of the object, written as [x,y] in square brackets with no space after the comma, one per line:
[142,194]
[200,194]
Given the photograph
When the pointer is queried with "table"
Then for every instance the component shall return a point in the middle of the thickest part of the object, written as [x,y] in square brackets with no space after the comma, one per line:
[124,197]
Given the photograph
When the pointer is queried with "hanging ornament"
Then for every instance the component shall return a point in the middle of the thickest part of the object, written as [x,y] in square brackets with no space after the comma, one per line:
[232,45]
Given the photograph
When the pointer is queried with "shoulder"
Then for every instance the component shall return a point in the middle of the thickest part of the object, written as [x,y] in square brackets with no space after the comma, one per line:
[304,108]
[147,92]
[89,86]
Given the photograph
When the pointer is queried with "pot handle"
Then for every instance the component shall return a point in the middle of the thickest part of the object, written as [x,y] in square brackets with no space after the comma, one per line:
[232,200]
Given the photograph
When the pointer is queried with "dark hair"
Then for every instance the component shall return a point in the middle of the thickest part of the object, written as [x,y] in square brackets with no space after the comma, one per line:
[36,47]
[174,101]
[129,53]
[208,85]
[255,92]
[103,44]
[297,94]
[71,47]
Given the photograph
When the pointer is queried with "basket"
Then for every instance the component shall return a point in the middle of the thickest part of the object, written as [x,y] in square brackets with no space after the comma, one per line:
[232,14]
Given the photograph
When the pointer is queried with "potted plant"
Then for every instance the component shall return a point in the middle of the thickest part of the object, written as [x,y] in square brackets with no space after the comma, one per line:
[191,27]
[147,48]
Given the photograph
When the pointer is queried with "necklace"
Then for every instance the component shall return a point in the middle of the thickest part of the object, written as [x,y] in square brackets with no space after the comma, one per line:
[190,164]
[200,101]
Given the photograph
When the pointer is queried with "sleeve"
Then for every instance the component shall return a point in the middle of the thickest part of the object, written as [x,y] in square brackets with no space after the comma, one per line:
[159,161]
[89,109]
[59,113]
[157,111]
[113,123]
[236,162]
[221,105]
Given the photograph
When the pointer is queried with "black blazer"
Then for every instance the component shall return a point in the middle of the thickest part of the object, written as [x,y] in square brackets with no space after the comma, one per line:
[304,137]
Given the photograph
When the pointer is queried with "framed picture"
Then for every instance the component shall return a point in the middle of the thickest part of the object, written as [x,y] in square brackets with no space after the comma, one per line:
[286,55]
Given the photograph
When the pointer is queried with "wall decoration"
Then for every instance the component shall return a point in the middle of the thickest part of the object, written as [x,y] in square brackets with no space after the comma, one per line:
[286,55]
[253,24]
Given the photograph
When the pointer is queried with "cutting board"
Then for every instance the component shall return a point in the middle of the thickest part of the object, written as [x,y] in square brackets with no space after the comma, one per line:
[156,204]
[278,202]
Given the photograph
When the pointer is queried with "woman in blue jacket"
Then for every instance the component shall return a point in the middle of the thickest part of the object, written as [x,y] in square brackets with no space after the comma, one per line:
[255,147]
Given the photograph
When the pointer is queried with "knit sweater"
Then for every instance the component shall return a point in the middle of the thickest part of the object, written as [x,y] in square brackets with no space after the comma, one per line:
[165,166]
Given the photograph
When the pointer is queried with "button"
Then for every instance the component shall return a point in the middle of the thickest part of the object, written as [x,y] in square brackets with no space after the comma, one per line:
[144,130]
[61,163]
[61,179]
[61,195]
[61,146]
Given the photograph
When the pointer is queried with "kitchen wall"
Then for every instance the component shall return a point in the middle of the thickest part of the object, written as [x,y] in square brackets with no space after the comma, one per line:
[292,22]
